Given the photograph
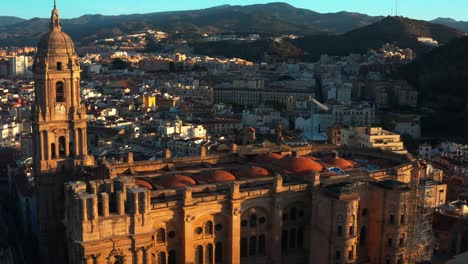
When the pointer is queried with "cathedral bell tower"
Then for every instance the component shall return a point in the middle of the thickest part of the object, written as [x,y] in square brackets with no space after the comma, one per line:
[59,133]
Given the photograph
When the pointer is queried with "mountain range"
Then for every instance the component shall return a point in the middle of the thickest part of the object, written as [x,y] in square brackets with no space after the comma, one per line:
[332,33]
[273,18]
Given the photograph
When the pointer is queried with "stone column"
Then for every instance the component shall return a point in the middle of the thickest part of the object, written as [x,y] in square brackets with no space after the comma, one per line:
[188,250]
[105,204]
[120,203]
[84,209]
[276,231]
[234,233]
[139,256]
[67,144]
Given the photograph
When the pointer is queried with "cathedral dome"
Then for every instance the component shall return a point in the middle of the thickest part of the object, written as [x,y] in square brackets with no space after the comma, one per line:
[175,181]
[299,165]
[253,172]
[217,176]
[56,42]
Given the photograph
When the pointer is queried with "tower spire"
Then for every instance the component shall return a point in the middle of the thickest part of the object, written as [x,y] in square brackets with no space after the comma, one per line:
[55,24]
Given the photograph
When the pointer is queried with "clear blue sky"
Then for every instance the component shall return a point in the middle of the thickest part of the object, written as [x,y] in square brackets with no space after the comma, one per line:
[419,9]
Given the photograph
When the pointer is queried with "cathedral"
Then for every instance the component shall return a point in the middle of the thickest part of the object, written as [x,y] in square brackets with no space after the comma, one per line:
[266,204]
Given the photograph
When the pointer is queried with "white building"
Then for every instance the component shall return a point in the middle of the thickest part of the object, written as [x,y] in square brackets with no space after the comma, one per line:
[353,114]
[372,137]
[180,130]
[18,65]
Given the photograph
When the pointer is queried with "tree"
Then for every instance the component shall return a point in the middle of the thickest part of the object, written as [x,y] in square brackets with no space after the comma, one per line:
[119,64]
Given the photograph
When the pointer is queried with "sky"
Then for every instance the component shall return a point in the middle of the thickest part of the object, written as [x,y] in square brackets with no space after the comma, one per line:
[418,9]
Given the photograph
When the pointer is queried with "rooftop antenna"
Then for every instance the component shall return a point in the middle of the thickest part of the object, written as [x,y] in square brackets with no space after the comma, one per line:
[55,4]
[396,7]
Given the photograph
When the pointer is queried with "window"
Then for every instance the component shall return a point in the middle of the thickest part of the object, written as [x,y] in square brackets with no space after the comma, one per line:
[284,241]
[253,220]
[199,230]
[162,258]
[172,257]
[292,238]
[161,235]
[171,234]
[244,223]
[364,212]
[262,220]
[52,147]
[392,219]
[61,146]
[402,240]
[300,238]
[362,236]
[253,246]
[340,231]
[351,254]
[243,247]
[209,228]
[351,230]
[261,245]
[218,253]
[59,66]
[59,92]
[292,213]
[209,254]
[390,242]
[199,255]
[402,219]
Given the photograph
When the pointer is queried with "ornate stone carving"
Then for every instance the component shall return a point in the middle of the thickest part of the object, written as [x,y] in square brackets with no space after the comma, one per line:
[236,211]
[189,218]
[116,255]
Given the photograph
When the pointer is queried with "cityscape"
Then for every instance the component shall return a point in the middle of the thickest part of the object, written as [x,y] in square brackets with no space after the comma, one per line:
[257,133]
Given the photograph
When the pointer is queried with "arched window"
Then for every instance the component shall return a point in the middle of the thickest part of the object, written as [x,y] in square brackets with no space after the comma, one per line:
[199,255]
[253,220]
[209,254]
[52,150]
[161,235]
[253,246]
[172,257]
[243,248]
[61,146]
[209,228]
[162,258]
[219,253]
[59,92]
[59,66]
[261,245]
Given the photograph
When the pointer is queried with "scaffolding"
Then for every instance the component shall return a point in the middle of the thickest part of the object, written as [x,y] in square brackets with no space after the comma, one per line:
[422,240]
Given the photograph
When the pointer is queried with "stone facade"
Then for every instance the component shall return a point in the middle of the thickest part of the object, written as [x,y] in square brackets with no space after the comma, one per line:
[365,217]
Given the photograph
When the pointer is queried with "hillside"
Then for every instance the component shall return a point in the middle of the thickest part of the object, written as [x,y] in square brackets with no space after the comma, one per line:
[257,51]
[460,25]
[274,18]
[9,20]
[441,77]
[401,31]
